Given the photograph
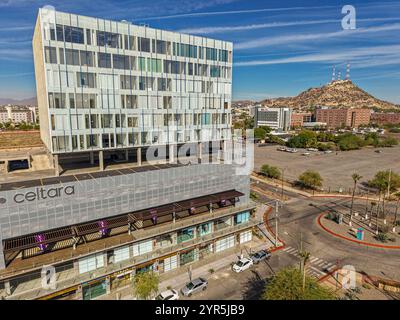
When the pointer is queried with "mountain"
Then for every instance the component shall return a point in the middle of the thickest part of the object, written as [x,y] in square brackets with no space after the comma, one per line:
[339,93]
[30,101]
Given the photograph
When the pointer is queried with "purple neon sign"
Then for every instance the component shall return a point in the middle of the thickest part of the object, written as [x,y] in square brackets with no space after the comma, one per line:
[39,239]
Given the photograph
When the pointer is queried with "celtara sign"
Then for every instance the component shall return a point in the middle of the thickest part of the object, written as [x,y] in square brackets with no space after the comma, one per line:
[43,193]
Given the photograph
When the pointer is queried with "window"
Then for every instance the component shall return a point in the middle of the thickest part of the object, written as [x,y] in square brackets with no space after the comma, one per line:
[92,140]
[224,244]
[142,247]
[245,236]
[185,234]
[108,39]
[121,254]
[69,34]
[127,82]
[223,55]
[242,217]
[154,65]
[142,64]
[122,62]
[211,54]
[107,120]
[86,58]
[57,100]
[214,71]
[132,122]
[161,47]
[104,60]
[205,228]
[90,263]
[88,36]
[86,79]
[50,55]
[129,42]
[144,44]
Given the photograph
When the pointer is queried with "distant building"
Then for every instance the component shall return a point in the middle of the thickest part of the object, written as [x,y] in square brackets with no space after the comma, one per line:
[298,119]
[275,118]
[385,118]
[17,114]
[336,118]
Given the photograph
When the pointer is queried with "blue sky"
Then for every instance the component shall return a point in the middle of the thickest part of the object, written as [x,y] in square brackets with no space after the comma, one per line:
[281,47]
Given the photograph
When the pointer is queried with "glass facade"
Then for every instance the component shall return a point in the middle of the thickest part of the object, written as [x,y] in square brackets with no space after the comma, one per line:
[163,70]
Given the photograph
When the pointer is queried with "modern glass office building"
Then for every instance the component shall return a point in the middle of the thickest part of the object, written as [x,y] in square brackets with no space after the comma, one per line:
[106,85]
[104,89]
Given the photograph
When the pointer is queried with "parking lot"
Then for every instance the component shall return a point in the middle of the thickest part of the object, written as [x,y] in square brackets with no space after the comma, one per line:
[335,168]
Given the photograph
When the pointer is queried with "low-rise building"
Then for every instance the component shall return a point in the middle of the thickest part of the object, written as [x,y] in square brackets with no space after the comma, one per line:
[299,118]
[275,118]
[17,114]
[336,118]
[385,118]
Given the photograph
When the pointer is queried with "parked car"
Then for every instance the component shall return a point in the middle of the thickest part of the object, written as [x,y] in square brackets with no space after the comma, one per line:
[306,154]
[328,151]
[242,265]
[168,295]
[196,285]
[260,256]
[378,151]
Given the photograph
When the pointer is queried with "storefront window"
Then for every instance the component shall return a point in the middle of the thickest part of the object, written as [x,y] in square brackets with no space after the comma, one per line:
[185,235]
[94,290]
[242,217]
[205,228]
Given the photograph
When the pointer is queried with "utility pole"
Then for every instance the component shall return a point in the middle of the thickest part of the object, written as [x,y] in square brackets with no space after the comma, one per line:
[283,172]
[390,178]
[276,223]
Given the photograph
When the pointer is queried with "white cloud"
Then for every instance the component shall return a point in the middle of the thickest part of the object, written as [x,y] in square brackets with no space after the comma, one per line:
[372,55]
[213,13]
[211,30]
[295,38]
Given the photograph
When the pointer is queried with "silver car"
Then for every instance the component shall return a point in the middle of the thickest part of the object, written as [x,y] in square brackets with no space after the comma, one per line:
[260,256]
[196,285]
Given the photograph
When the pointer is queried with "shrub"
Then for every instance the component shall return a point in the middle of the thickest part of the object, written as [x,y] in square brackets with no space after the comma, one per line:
[270,171]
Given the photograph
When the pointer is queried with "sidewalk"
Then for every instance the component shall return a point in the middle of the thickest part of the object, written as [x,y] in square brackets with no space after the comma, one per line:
[178,278]
[310,195]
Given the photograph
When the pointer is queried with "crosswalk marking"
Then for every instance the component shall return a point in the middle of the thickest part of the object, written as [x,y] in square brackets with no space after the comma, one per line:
[315,264]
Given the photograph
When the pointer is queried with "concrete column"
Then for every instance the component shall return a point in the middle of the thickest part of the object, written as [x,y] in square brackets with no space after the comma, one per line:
[101,160]
[139,156]
[56,166]
[2,260]
[79,293]
[172,154]
[127,155]
[200,150]
[6,164]
[91,154]
[108,285]
[7,287]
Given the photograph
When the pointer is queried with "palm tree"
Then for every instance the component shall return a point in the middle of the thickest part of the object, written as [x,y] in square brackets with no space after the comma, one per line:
[304,256]
[373,204]
[356,177]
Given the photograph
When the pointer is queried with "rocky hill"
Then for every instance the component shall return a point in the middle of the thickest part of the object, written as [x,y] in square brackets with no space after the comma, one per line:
[339,93]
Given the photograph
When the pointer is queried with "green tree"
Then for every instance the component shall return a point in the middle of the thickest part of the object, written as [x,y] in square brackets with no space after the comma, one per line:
[305,139]
[287,284]
[310,179]
[382,178]
[349,141]
[270,171]
[259,133]
[145,285]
